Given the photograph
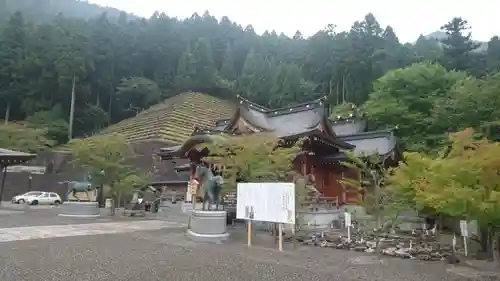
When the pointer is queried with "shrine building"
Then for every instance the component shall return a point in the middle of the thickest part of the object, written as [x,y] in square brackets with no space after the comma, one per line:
[326,140]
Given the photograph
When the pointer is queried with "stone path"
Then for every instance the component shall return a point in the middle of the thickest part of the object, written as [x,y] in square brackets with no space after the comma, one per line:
[53,231]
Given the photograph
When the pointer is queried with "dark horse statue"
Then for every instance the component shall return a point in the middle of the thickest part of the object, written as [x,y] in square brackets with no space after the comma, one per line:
[211,186]
[75,187]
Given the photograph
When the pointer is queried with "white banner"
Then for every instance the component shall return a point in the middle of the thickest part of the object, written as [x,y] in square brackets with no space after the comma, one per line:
[269,202]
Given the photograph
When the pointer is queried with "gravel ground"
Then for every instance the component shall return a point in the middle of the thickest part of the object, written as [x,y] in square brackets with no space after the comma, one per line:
[168,255]
[15,215]
[17,218]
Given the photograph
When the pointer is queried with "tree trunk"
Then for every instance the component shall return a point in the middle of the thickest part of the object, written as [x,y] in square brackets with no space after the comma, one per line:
[439,226]
[72,110]
[338,93]
[7,114]
[377,211]
[484,238]
[119,199]
[110,107]
[495,247]
[394,222]
[344,94]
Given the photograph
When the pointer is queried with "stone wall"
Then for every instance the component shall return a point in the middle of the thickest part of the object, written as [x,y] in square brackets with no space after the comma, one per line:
[59,168]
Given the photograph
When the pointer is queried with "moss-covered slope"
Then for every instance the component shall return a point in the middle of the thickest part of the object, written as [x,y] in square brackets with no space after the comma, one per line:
[174,120]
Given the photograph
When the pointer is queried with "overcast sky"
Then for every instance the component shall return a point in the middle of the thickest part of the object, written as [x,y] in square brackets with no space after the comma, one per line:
[409,20]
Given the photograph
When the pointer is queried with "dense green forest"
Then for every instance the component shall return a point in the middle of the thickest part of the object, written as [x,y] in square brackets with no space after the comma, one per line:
[122,64]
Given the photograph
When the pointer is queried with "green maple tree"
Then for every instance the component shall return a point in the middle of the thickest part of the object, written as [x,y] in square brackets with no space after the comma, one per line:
[107,158]
[253,158]
[15,136]
[463,182]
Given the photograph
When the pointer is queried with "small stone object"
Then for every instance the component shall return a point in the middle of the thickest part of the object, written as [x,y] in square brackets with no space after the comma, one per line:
[371,244]
[326,244]
[402,253]
[389,252]
[360,248]
[452,259]
[418,247]
[424,257]
[332,237]
[340,246]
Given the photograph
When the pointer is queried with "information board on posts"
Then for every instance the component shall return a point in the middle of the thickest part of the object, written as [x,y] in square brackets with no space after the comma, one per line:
[268,202]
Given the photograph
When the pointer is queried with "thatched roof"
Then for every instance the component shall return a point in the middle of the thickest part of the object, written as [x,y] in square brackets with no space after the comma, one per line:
[175,119]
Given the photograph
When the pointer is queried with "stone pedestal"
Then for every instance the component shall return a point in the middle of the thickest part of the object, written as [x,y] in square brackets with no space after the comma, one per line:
[80,209]
[187,207]
[208,226]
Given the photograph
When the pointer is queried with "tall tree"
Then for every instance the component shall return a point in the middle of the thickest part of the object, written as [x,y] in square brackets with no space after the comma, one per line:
[458,45]
[204,63]
[228,69]
[493,54]
[12,56]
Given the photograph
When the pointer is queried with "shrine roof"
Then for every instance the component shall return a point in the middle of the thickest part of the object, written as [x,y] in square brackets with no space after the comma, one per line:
[172,177]
[181,150]
[284,122]
[348,126]
[382,142]
[11,157]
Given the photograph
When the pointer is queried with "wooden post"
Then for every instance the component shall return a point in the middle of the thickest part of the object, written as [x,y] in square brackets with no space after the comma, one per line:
[280,237]
[249,233]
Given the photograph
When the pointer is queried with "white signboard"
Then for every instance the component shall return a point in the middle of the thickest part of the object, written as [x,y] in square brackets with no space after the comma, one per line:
[464,230]
[348,221]
[270,202]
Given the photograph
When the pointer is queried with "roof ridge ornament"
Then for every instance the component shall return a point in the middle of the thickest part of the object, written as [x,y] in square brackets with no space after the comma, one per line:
[281,110]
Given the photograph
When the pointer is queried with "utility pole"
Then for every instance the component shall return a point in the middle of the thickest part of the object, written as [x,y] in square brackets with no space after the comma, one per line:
[72,110]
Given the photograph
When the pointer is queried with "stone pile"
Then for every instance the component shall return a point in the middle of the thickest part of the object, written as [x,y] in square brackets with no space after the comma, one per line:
[417,246]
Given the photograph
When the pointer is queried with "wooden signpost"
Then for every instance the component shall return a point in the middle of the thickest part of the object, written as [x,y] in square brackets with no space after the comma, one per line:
[267,202]
[249,233]
[280,237]
[464,231]
[348,224]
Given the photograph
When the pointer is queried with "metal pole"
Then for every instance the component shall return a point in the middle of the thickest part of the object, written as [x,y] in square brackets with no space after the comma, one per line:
[30,178]
[4,168]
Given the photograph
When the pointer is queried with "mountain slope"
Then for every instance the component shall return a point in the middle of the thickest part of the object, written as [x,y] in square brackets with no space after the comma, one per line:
[441,35]
[42,10]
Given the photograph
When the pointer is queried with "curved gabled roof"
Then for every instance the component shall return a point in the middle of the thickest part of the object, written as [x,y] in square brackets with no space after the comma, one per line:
[11,157]
[284,122]
[348,126]
[305,119]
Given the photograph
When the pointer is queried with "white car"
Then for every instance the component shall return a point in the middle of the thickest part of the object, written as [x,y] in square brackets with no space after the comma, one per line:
[38,198]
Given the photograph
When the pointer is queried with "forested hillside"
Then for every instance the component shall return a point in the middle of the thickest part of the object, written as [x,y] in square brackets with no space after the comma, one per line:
[122,65]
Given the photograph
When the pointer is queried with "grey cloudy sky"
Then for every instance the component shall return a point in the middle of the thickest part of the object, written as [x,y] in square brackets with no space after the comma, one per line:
[408,18]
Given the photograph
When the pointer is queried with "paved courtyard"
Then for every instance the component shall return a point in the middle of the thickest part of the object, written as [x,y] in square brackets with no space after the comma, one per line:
[139,249]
